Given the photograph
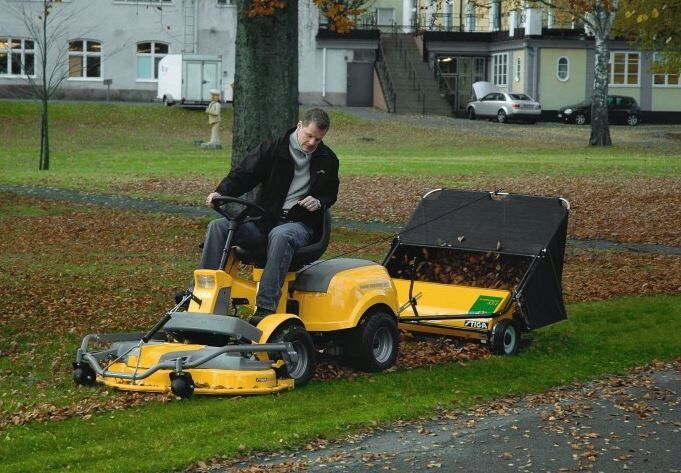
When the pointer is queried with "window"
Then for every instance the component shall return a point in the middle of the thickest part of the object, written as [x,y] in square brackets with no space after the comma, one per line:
[470,17]
[500,69]
[225,2]
[662,79]
[563,69]
[623,68]
[85,59]
[518,66]
[17,57]
[143,1]
[149,54]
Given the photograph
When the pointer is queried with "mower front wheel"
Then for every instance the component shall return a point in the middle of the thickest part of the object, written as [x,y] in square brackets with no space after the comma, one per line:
[505,338]
[373,344]
[181,384]
[302,370]
[83,374]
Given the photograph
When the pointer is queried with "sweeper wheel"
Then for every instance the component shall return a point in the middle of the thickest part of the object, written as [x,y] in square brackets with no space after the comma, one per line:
[505,338]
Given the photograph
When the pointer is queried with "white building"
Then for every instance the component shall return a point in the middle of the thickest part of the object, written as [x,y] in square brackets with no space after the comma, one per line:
[111,48]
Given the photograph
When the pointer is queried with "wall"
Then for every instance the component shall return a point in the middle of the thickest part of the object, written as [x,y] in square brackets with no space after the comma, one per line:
[554,93]
[666,99]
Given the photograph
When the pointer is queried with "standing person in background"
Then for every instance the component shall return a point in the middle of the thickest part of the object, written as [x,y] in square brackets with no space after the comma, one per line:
[214,119]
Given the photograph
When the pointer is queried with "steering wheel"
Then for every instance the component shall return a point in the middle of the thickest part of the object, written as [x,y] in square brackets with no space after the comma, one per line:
[219,204]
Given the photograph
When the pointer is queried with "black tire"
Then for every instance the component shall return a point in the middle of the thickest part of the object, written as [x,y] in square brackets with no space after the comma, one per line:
[374,343]
[471,114]
[632,119]
[505,338]
[580,118]
[83,374]
[501,116]
[302,370]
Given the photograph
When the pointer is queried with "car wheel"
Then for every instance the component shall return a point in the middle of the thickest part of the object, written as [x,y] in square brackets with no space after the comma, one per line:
[302,370]
[501,116]
[505,338]
[580,119]
[632,120]
[471,114]
[373,344]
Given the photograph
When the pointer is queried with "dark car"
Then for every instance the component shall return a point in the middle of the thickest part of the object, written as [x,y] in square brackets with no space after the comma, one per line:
[621,109]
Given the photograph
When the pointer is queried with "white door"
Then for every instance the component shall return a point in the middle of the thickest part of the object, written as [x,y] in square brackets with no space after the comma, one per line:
[385,16]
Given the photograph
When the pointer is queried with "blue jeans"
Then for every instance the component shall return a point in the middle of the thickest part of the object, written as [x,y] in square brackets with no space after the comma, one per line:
[282,241]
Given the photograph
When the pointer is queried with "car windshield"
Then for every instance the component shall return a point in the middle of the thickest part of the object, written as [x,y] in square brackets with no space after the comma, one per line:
[519,97]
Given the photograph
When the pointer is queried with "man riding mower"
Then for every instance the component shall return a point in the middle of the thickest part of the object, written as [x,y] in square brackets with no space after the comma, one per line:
[339,305]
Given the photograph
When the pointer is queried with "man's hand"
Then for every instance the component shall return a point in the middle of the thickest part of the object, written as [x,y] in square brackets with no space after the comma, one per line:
[211,196]
[310,204]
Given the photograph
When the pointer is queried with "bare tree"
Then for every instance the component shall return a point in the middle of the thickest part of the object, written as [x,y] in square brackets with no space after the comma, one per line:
[46,25]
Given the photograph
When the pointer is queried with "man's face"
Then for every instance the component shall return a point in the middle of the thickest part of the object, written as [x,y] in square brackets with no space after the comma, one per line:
[309,136]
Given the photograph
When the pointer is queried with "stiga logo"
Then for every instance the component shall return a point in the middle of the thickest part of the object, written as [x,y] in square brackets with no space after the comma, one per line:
[261,380]
[475,324]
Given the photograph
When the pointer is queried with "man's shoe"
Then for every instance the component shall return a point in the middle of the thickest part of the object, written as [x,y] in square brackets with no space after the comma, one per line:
[259,314]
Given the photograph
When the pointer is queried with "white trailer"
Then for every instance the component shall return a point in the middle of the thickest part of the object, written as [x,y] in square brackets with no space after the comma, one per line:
[186,79]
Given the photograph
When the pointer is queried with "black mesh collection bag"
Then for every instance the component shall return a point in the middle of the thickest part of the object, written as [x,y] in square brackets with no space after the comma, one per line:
[525,226]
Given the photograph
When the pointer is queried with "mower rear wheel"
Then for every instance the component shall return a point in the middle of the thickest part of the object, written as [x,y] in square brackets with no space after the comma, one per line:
[373,344]
[505,338]
[302,370]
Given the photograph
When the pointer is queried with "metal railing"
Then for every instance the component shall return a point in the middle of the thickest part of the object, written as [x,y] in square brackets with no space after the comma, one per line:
[385,80]
[416,83]
[445,88]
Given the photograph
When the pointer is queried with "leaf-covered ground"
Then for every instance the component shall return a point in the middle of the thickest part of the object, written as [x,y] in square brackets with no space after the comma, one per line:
[67,270]
[623,209]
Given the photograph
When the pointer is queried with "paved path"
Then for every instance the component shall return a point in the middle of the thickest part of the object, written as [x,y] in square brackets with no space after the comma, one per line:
[630,423]
[132,203]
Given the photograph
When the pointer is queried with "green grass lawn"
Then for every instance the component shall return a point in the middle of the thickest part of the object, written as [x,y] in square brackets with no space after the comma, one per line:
[598,339]
[119,274]
[97,146]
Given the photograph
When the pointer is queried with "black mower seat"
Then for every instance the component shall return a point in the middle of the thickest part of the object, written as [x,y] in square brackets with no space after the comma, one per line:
[301,257]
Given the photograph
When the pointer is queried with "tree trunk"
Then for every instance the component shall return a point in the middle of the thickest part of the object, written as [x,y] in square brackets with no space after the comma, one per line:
[265,77]
[45,140]
[600,129]
[600,21]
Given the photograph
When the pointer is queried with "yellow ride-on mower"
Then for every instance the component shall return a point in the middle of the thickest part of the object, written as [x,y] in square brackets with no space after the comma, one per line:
[480,265]
[340,304]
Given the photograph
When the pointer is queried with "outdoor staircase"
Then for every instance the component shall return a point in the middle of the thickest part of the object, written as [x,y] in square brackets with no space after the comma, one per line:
[415,87]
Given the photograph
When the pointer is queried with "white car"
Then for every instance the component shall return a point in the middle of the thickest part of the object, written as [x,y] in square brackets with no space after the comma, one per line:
[491,102]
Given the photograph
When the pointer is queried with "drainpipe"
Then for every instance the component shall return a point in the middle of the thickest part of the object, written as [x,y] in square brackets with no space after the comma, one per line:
[196,26]
[323,72]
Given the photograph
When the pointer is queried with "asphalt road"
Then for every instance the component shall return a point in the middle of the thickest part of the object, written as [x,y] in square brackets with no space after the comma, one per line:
[627,423]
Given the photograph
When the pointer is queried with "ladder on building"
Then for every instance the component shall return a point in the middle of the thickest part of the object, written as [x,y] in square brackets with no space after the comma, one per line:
[189,26]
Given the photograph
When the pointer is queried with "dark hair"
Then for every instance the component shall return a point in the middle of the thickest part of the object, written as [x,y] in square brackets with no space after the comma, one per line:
[317,116]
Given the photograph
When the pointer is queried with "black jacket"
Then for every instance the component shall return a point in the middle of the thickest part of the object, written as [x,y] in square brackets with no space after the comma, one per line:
[270,164]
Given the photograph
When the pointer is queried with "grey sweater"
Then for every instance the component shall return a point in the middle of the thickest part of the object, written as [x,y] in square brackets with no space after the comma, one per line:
[301,172]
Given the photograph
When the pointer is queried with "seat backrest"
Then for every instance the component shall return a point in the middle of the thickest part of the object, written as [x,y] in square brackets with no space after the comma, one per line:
[301,257]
